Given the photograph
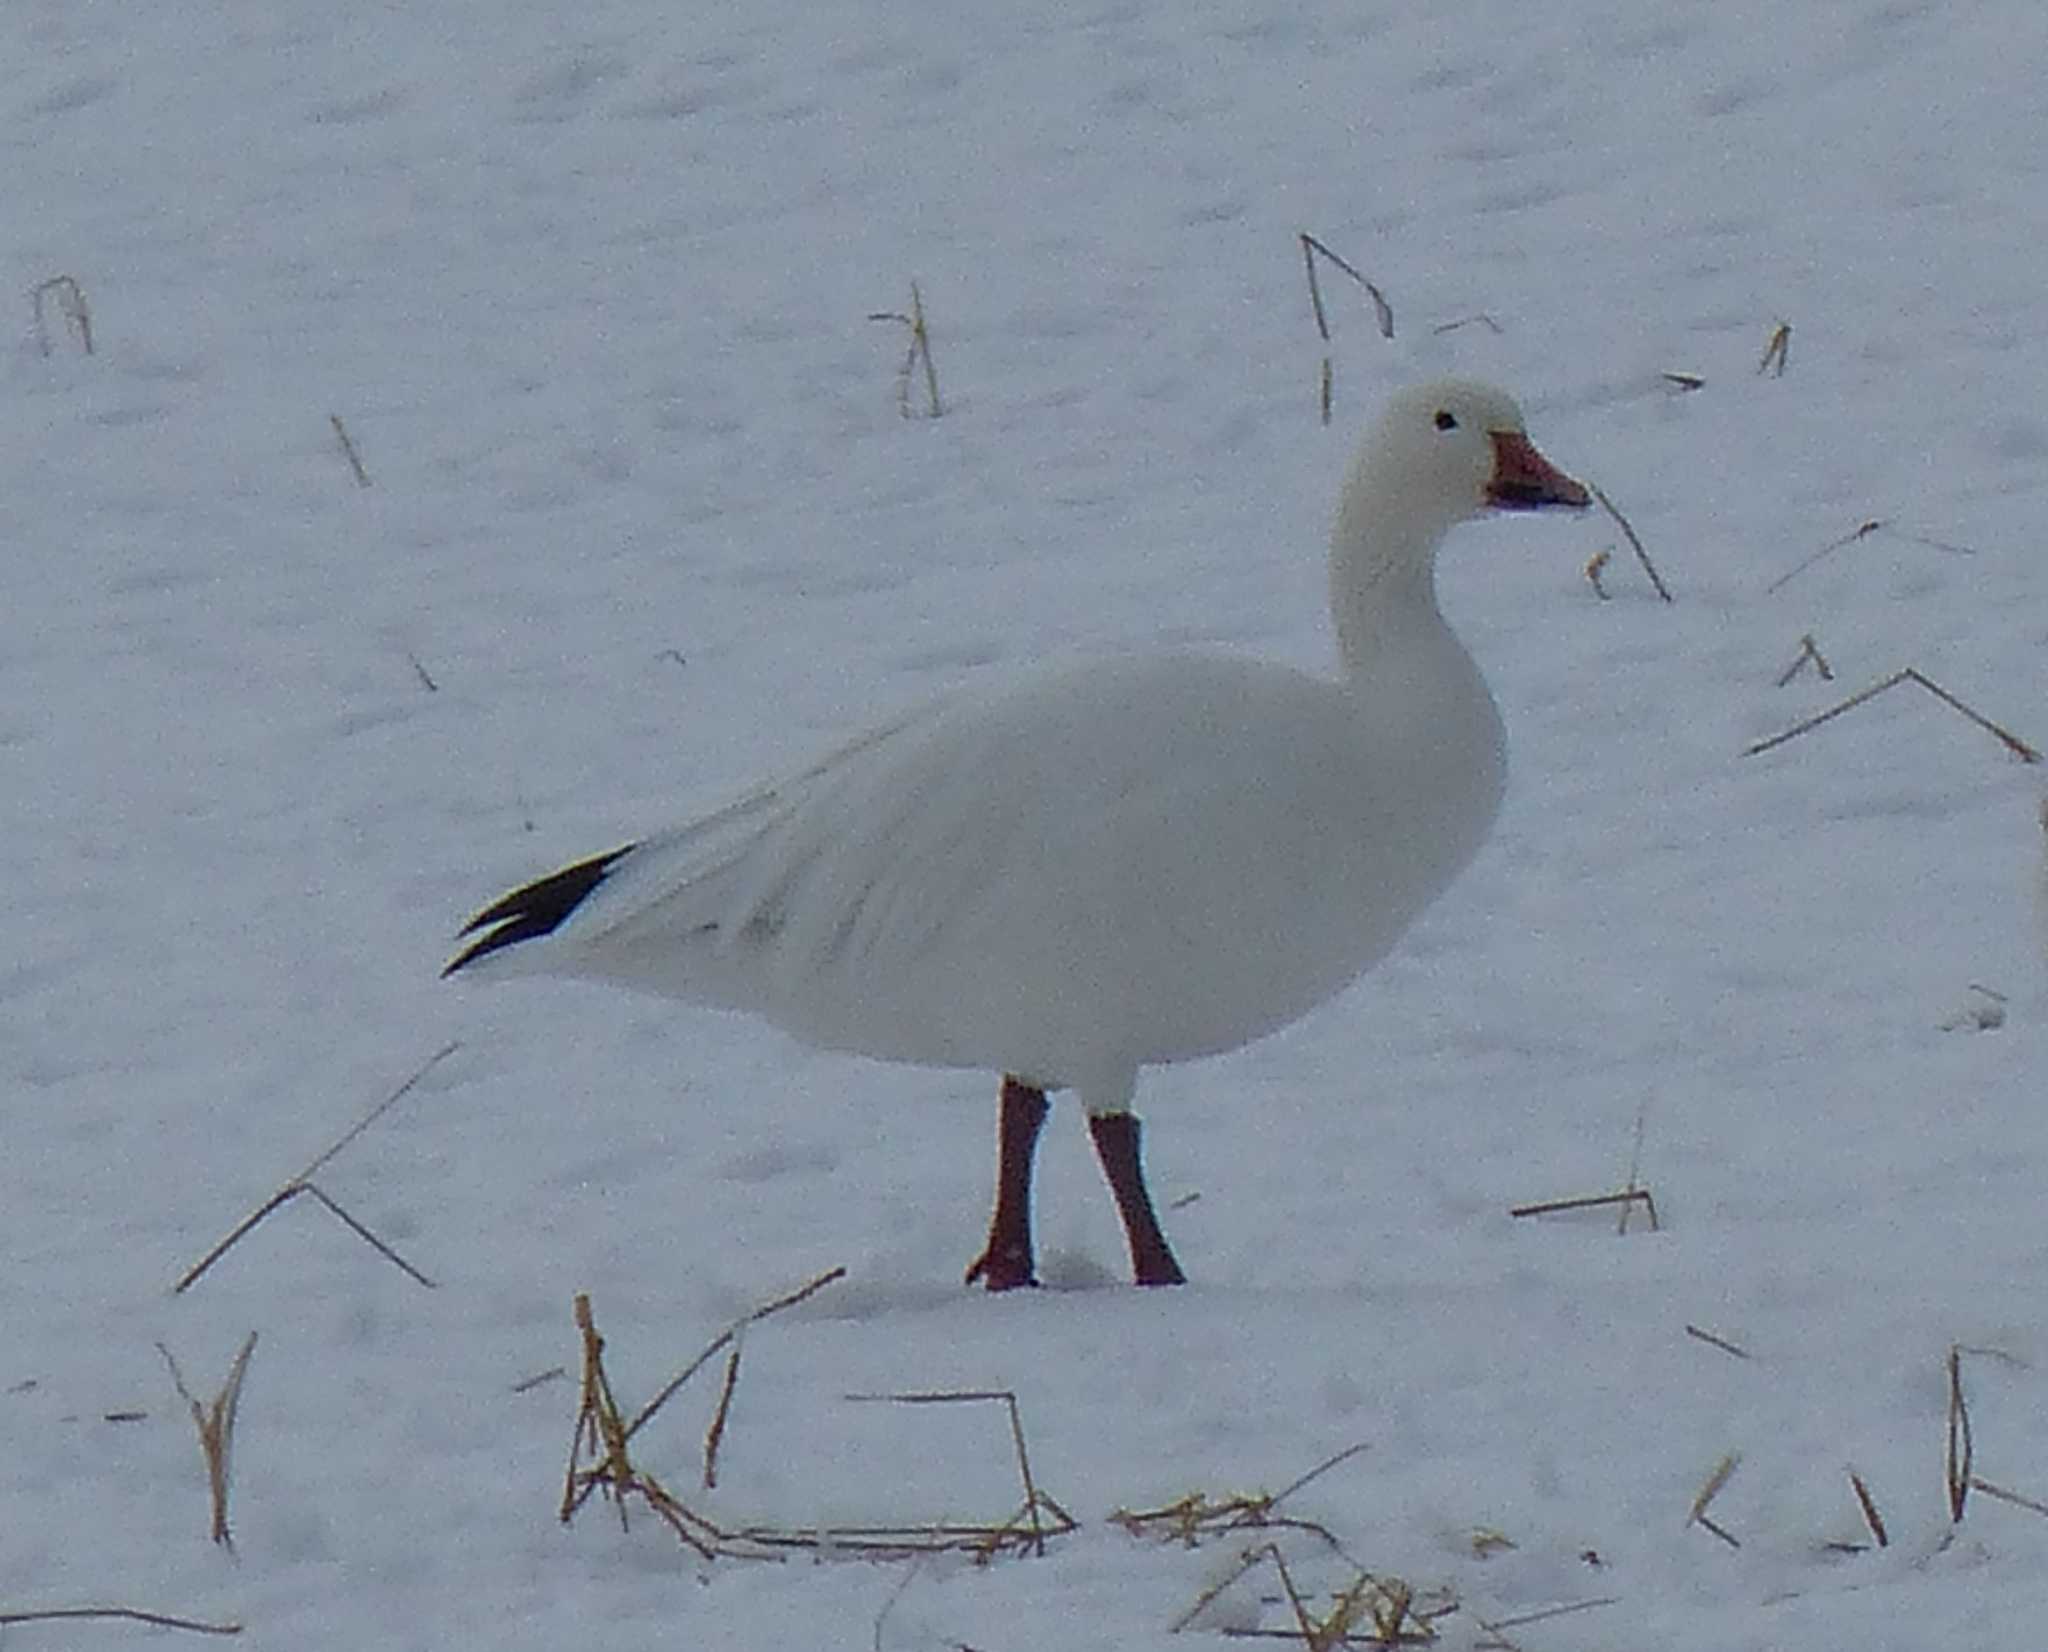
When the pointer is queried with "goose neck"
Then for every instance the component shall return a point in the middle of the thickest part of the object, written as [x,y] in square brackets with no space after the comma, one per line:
[1383,581]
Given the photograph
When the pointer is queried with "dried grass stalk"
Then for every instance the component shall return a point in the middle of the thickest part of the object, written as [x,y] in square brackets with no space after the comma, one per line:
[2004,1496]
[1961,1448]
[1778,352]
[348,451]
[1635,1178]
[1863,530]
[1635,540]
[1496,1629]
[1383,312]
[600,1462]
[1389,1603]
[124,1614]
[974,1396]
[2012,742]
[1482,319]
[919,351]
[1713,1341]
[600,1434]
[725,1338]
[1868,1505]
[1189,1519]
[1809,653]
[1723,1472]
[302,1183]
[1596,565]
[1594,1201]
[716,1432]
[216,1425]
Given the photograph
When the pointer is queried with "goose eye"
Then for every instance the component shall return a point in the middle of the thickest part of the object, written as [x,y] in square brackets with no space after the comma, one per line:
[1446,421]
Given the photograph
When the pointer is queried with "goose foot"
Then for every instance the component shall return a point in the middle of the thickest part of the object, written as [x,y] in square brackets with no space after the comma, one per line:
[1007,1263]
[1117,1138]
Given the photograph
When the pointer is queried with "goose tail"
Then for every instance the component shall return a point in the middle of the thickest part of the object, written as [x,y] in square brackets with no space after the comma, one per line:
[538,909]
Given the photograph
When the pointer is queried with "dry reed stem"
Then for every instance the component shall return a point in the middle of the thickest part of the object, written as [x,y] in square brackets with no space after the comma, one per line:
[1778,352]
[1961,1447]
[982,1544]
[1635,1176]
[1683,382]
[599,1462]
[1863,530]
[348,451]
[1956,1460]
[124,1614]
[920,350]
[1910,674]
[724,1339]
[1713,1341]
[1723,1472]
[1809,651]
[1189,1519]
[1596,565]
[302,1183]
[1195,1515]
[1389,1602]
[1480,320]
[716,1432]
[1383,313]
[1634,539]
[70,301]
[1498,1628]
[600,1432]
[216,1425]
[1868,1505]
[284,1196]
[2005,1496]
[1316,1473]
[1984,1350]
[972,1396]
[1245,1562]
[1306,1623]
[889,1605]
[1594,1201]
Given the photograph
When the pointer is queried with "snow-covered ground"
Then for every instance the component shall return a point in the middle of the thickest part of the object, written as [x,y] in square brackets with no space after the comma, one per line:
[588,288]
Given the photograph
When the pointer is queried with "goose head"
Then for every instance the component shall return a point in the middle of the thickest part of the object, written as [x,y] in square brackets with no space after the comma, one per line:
[1442,453]
[1455,449]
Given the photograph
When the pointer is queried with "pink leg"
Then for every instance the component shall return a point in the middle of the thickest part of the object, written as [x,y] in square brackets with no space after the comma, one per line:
[1116,1145]
[1007,1262]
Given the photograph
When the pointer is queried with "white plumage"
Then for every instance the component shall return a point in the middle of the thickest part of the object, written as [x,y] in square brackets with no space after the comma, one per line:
[1085,870]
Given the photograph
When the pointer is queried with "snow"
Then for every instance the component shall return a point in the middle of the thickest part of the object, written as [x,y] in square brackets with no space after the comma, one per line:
[588,288]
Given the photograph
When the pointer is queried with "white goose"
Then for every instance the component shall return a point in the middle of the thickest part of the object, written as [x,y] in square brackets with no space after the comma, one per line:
[1099,867]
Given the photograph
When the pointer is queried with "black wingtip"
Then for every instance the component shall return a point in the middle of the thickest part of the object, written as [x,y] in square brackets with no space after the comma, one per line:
[536,910]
